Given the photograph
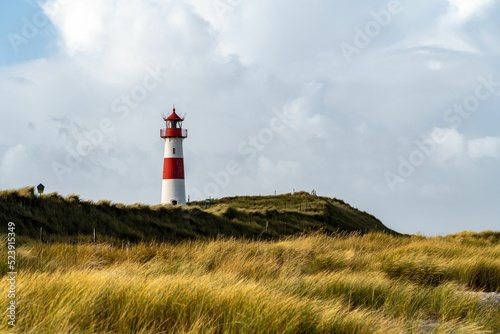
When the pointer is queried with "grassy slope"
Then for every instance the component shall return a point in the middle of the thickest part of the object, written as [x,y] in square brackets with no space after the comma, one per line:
[358,284]
[70,219]
[351,283]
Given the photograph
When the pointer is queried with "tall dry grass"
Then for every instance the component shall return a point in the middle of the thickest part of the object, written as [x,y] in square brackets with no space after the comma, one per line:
[374,283]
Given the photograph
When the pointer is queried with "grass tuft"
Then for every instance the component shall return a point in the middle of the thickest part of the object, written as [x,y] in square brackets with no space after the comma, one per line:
[484,275]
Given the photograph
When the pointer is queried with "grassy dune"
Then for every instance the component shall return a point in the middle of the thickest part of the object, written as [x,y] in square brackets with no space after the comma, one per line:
[372,283]
[71,219]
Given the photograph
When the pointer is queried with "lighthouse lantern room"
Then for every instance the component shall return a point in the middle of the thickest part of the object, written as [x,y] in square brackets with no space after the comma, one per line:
[173,188]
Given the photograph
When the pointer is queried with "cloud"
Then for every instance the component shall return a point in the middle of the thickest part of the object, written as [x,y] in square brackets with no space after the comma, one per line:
[487,147]
[451,149]
[81,24]
[17,166]
[459,25]
[114,41]
[462,10]
[264,85]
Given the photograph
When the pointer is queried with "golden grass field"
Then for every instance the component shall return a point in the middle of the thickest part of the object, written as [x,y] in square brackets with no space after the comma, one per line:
[372,283]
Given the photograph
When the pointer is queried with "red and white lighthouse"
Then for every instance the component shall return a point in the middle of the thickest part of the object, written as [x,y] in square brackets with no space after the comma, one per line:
[173,189]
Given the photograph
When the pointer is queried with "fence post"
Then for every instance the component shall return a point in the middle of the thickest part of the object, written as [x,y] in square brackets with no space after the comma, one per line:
[41,234]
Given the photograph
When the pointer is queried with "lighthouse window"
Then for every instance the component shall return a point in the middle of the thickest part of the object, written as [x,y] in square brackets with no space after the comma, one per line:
[173,150]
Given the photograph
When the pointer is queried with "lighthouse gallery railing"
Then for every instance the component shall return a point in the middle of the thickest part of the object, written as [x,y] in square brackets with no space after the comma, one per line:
[181,133]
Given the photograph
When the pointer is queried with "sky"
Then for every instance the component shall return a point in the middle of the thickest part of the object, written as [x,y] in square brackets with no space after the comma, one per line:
[392,106]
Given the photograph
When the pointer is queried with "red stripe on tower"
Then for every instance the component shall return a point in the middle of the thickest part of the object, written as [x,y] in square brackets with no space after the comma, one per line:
[173,168]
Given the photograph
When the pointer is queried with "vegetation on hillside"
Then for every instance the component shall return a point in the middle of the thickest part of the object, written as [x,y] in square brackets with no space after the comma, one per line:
[356,284]
[71,219]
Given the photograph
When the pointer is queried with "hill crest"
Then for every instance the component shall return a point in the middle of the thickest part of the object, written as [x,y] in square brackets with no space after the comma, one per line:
[72,219]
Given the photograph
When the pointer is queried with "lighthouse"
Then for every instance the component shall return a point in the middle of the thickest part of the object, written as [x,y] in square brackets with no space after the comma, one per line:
[173,189]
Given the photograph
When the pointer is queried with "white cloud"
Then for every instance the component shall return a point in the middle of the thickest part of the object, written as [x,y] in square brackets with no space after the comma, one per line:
[451,149]
[115,41]
[455,25]
[12,158]
[487,147]
[17,166]
[80,23]
[462,10]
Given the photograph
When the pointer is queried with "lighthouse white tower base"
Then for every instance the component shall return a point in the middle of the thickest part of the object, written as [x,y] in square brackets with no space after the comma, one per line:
[173,190]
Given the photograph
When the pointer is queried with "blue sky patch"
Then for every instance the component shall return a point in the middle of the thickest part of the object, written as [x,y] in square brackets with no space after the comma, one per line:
[26,33]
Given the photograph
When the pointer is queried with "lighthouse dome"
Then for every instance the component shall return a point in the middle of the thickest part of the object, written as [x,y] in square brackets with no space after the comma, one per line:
[173,117]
